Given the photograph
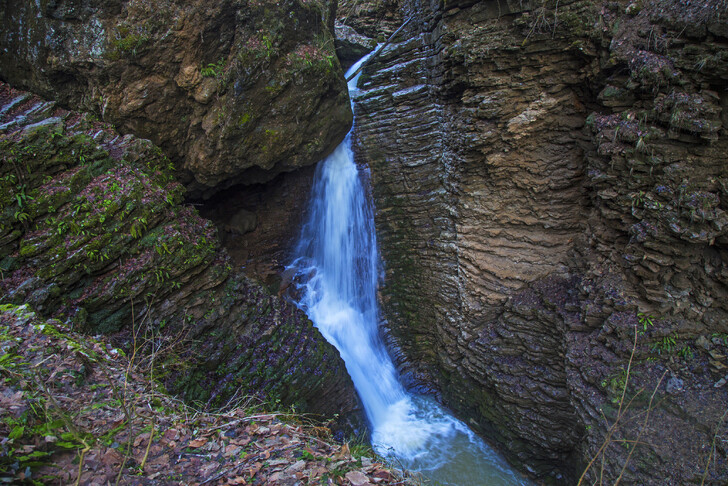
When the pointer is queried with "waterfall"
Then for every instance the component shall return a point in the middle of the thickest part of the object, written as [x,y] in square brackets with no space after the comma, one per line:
[337,274]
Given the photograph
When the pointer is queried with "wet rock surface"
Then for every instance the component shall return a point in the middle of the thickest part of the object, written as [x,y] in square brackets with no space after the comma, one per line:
[373,19]
[278,209]
[93,231]
[548,184]
[350,45]
[233,92]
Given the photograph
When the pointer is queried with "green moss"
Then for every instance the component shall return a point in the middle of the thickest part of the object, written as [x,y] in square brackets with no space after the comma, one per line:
[244,119]
[126,43]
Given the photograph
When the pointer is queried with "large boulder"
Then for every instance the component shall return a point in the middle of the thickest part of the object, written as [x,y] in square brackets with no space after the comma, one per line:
[232,91]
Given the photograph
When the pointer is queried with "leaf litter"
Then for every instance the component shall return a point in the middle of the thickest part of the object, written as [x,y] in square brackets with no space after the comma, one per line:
[71,403]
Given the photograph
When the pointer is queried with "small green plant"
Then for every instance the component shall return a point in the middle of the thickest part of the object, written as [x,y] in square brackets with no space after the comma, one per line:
[213,70]
[638,199]
[21,216]
[268,46]
[127,43]
[162,248]
[138,228]
[645,321]
[720,336]
[686,353]
[701,63]
[641,146]
[615,385]
[161,274]
[21,197]
[665,345]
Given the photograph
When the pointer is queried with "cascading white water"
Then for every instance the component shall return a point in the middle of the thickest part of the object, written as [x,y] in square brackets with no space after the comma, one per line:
[337,268]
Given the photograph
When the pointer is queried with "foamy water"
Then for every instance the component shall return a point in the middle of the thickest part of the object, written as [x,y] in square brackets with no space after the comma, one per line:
[337,265]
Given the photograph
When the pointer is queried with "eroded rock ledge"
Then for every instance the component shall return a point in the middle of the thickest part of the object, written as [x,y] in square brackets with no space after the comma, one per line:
[233,91]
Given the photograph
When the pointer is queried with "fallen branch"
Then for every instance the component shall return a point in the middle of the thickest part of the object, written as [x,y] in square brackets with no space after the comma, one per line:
[149,444]
[712,447]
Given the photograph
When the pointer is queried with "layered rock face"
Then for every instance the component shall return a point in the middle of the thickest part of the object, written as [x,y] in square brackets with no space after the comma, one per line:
[233,92]
[549,181]
[92,230]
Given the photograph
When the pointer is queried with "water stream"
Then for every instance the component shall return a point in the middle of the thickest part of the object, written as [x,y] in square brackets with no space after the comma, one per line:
[337,268]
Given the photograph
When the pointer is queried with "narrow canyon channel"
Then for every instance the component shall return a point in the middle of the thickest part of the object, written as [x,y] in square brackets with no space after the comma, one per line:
[337,270]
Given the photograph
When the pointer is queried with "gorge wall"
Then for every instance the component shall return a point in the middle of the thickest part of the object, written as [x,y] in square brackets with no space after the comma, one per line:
[550,186]
[93,231]
[549,180]
[132,111]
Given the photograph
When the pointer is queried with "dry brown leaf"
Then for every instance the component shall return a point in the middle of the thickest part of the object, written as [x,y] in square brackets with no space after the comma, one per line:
[254,469]
[382,474]
[357,478]
[241,442]
[197,443]
[209,468]
[111,458]
[342,453]
[162,460]
[140,438]
[155,449]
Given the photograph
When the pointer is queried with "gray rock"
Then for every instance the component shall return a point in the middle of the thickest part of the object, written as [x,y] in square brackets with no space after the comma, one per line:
[350,45]
[242,222]
[675,385]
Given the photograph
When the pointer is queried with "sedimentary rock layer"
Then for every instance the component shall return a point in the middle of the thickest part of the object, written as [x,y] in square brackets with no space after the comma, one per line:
[549,184]
[92,230]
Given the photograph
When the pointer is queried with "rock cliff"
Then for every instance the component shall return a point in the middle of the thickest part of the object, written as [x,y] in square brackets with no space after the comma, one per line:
[549,184]
[93,231]
[233,91]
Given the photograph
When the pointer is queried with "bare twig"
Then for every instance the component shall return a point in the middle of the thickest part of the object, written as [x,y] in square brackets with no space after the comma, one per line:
[149,444]
[620,413]
[712,446]
[80,462]
[642,429]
